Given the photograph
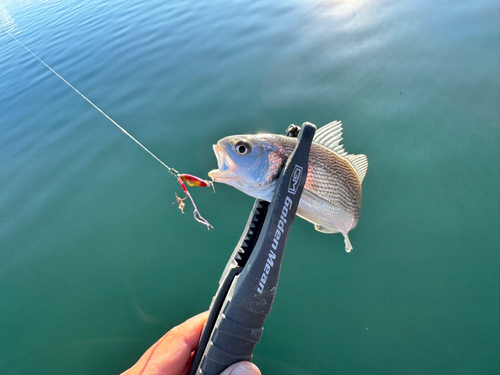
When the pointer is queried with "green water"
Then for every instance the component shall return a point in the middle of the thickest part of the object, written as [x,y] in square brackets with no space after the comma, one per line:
[96,263]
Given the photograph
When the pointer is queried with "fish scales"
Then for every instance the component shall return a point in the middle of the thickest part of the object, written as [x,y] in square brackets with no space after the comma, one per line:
[329,175]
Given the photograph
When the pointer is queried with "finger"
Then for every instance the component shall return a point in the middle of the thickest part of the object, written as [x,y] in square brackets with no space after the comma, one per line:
[171,354]
[242,368]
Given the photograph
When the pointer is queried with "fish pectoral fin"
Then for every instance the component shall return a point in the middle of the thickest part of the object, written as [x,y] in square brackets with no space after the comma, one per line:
[323,229]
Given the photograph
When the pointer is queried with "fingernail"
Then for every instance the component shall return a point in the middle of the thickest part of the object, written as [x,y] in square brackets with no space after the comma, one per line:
[241,370]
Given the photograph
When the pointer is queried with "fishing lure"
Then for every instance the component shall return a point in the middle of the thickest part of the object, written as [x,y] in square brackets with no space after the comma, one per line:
[181,178]
[196,181]
[192,181]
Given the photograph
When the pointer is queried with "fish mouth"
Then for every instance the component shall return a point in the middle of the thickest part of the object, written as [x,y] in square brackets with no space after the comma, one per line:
[227,169]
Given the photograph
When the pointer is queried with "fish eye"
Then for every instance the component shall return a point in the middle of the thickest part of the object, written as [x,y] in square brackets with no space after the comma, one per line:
[243,148]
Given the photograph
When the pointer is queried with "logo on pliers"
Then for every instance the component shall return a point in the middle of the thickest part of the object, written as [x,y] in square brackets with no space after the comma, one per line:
[294,180]
[280,229]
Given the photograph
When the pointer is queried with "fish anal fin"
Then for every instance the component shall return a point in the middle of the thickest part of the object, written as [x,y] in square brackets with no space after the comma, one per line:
[360,165]
[323,229]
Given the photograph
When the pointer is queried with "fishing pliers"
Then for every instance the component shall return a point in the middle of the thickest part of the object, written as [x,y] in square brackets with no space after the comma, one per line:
[248,284]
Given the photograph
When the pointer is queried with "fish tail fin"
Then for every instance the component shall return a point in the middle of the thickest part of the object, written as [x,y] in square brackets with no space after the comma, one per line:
[348,246]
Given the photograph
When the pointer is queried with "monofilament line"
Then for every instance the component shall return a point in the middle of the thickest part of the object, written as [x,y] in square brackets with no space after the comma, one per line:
[174,172]
[171,170]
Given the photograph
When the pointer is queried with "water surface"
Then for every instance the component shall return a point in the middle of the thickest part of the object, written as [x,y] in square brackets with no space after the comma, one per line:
[96,263]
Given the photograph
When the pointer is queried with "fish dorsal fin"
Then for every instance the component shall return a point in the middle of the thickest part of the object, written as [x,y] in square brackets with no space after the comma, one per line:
[360,164]
[330,136]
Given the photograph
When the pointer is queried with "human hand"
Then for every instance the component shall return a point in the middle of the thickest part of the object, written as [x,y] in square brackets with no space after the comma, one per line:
[171,355]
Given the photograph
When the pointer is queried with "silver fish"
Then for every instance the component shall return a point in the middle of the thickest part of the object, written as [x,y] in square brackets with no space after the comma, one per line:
[331,199]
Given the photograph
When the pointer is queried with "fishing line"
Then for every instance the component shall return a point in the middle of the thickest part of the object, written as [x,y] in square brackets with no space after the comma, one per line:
[171,170]
[191,180]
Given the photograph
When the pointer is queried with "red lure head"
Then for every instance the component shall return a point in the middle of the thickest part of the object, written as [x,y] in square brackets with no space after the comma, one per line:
[192,181]
[195,181]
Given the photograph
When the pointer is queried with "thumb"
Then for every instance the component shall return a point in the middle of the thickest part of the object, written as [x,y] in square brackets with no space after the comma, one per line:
[242,368]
